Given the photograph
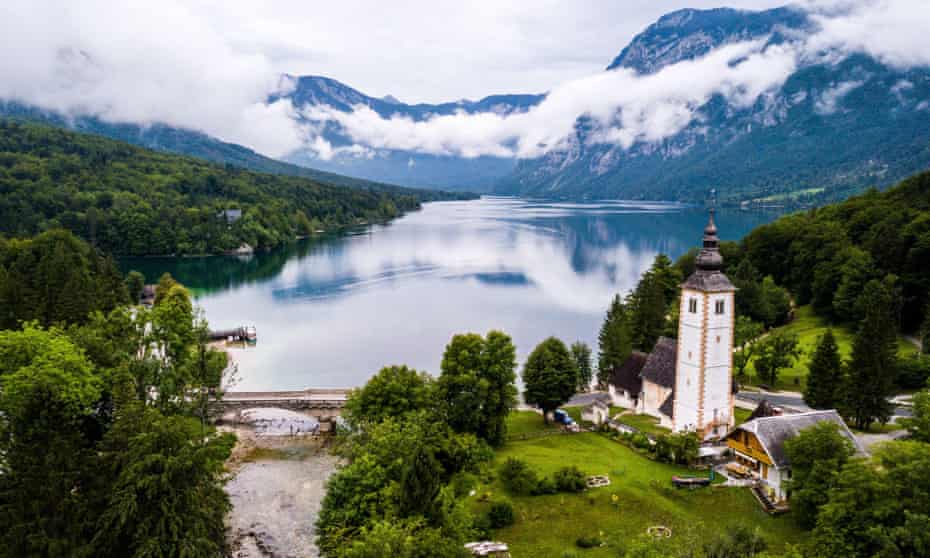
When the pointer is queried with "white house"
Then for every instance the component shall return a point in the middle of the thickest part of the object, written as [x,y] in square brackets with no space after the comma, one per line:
[759,445]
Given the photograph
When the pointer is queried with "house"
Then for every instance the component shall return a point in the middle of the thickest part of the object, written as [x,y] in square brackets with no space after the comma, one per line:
[687,383]
[597,412]
[231,215]
[759,446]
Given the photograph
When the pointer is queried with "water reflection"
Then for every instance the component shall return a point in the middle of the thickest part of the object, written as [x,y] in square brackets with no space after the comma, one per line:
[331,312]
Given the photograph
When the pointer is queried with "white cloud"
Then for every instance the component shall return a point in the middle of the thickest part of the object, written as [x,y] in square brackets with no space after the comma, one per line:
[829,99]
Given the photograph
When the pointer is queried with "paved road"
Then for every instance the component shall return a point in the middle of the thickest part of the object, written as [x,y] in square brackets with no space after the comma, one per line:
[793,401]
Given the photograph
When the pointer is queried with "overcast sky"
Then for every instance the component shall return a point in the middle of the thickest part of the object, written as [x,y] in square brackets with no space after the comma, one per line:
[211,64]
[431,51]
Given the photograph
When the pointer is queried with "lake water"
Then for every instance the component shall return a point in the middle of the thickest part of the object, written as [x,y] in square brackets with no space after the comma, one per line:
[331,312]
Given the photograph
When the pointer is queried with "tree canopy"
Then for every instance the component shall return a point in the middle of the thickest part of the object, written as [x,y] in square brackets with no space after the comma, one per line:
[549,376]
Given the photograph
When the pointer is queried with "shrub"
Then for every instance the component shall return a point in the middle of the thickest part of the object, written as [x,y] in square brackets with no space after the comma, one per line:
[570,479]
[517,477]
[588,542]
[641,441]
[463,483]
[482,526]
[500,515]
[545,486]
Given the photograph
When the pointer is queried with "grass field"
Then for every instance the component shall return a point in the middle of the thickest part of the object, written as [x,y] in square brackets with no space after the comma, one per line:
[809,327]
[546,526]
[741,415]
[644,423]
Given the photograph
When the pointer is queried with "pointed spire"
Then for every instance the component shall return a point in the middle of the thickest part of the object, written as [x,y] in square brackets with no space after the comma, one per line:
[709,259]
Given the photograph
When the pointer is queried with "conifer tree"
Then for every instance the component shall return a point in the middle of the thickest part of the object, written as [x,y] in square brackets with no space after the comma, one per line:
[925,332]
[581,353]
[825,374]
[872,369]
[614,340]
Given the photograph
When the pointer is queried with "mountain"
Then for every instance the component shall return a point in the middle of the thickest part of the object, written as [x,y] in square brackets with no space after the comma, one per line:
[832,129]
[191,142]
[399,166]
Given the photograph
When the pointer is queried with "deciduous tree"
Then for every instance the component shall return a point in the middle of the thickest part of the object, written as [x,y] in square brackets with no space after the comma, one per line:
[775,352]
[817,455]
[549,376]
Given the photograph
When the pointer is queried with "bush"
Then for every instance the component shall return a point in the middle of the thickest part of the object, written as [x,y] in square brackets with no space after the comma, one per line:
[588,542]
[570,479]
[545,486]
[463,483]
[482,526]
[518,478]
[641,441]
[500,515]
[913,372]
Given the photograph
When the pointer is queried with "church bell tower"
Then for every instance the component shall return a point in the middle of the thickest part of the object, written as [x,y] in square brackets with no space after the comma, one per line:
[703,370]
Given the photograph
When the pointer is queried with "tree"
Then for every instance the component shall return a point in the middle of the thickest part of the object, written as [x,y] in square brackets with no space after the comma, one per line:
[615,340]
[648,309]
[581,353]
[46,407]
[549,376]
[878,507]
[135,283]
[872,368]
[391,393]
[476,387]
[165,282]
[816,455]
[925,332]
[825,374]
[747,331]
[919,424]
[775,352]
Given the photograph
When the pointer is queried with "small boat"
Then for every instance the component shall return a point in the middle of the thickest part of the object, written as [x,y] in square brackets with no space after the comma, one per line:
[690,482]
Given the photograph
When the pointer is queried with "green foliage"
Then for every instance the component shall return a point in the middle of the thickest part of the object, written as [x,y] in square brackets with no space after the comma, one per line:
[680,448]
[615,341]
[817,455]
[872,367]
[570,479]
[825,374]
[744,336]
[500,514]
[925,332]
[476,387]
[55,278]
[402,539]
[135,283]
[919,424]
[649,302]
[581,353]
[549,376]
[393,392]
[738,541]
[835,245]
[778,350]
[517,477]
[135,201]
[878,507]
[588,542]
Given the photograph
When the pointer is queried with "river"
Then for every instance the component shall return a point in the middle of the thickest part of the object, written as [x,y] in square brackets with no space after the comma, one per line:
[331,311]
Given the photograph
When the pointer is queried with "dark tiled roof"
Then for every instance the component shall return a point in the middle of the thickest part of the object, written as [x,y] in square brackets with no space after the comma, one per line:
[708,281]
[667,407]
[626,376]
[660,365]
[772,432]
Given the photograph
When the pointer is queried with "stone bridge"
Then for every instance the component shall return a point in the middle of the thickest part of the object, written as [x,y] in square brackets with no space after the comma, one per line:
[323,404]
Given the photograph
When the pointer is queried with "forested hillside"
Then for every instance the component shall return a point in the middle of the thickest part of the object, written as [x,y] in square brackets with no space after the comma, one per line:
[826,256]
[133,201]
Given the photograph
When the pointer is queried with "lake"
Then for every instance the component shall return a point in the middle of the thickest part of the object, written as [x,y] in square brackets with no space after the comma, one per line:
[331,312]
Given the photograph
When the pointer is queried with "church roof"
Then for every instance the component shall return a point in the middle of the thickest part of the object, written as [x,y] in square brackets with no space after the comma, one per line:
[773,432]
[708,276]
[659,367]
[626,376]
[667,407]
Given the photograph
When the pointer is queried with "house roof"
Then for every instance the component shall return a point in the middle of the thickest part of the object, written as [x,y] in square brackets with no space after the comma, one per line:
[660,364]
[667,407]
[626,376]
[773,432]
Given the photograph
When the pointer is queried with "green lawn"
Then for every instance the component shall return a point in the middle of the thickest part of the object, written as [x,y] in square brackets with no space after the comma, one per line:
[644,423]
[548,525]
[522,423]
[741,415]
[809,327]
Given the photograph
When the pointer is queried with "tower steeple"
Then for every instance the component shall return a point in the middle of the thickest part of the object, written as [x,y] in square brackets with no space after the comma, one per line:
[709,259]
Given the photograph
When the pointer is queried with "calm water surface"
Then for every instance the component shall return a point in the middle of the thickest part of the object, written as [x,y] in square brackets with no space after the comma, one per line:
[331,312]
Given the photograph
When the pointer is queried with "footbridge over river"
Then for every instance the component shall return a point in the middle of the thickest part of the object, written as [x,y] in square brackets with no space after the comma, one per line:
[323,404]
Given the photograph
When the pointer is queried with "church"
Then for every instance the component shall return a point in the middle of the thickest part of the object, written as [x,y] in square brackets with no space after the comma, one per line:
[687,383]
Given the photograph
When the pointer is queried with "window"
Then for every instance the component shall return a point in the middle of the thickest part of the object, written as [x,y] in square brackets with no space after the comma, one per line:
[692,305]
[719,306]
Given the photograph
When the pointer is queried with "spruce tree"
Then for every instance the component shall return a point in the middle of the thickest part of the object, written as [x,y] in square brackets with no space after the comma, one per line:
[648,309]
[581,353]
[872,368]
[825,374]
[614,340]
[925,332]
